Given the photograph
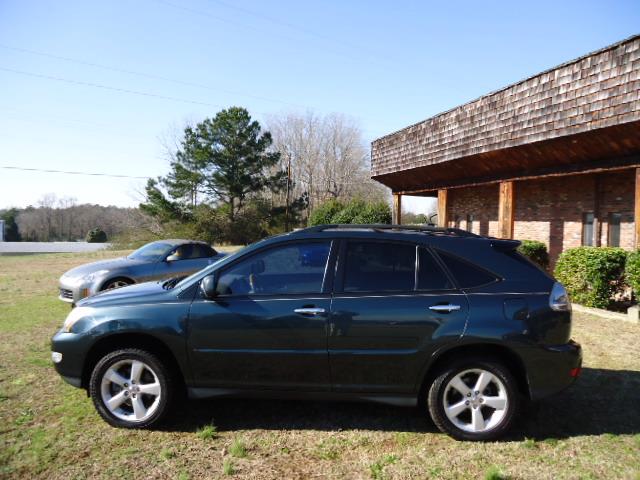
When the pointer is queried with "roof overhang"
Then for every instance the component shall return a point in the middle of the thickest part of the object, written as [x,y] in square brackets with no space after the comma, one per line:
[570,117]
[608,148]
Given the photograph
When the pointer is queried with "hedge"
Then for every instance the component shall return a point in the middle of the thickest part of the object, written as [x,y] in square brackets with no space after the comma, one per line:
[632,272]
[355,211]
[96,235]
[324,213]
[592,275]
[536,252]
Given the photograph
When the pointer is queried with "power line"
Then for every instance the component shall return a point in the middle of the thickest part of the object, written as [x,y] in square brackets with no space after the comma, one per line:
[145,75]
[202,13]
[294,26]
[107,87]
[66,172]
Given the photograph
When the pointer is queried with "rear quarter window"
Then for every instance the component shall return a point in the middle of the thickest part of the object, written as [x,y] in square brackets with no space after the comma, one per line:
[466,274]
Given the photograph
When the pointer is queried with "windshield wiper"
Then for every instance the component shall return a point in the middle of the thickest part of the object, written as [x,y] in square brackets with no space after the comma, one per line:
[172,282]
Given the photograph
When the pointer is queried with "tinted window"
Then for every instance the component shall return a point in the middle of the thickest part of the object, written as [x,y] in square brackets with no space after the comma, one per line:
[430,275]
[201,251]
[466,274]
[375,266]
[183,252]
[291,268]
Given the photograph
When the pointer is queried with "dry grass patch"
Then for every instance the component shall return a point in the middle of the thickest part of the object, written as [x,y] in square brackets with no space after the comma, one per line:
[50,430]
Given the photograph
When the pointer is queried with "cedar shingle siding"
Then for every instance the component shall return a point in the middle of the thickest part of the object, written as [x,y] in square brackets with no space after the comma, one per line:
[598,90]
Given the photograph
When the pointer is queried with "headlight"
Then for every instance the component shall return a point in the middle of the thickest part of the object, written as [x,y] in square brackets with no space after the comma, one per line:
[75,315]
[92,276]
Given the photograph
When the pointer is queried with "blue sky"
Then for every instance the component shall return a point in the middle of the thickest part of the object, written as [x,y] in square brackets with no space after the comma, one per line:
[387,64]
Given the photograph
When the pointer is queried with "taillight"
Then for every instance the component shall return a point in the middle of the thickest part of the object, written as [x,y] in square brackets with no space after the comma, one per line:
[559,298]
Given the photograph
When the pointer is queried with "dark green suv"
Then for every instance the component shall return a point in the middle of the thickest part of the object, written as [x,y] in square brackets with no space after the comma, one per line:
[457,324]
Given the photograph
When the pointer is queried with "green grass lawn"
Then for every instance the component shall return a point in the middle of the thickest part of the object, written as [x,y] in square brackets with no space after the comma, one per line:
[50,430]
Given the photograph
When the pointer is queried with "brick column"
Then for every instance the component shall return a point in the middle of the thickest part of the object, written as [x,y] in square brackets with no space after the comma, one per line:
[506,210]
[396,214]
[443,220]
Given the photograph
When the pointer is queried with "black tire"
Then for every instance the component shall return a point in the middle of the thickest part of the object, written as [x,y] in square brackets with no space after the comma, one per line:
[154,369]
[438,389]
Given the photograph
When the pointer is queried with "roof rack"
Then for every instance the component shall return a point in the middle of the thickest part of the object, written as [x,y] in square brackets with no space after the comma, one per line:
[429,229]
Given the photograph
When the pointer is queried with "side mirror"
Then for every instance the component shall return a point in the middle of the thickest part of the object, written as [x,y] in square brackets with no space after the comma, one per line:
[208,287]
[171,258]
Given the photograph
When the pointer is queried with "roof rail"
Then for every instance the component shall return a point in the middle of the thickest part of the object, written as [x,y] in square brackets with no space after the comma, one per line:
[384,226]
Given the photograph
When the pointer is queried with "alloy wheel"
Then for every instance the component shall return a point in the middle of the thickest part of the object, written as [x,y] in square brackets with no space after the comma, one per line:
[475,400]
[130,390]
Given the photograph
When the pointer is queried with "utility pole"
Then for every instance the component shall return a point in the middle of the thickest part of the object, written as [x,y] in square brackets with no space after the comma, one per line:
[286,211]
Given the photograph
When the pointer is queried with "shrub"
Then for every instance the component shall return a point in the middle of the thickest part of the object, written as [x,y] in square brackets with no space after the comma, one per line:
[350,212]
[96,235]
[354,211]
[324,213]
[592,275]
[536,252]
[632,272]
[376,212]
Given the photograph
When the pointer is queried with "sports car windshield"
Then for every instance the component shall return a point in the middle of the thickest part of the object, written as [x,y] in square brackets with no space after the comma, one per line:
[151,252]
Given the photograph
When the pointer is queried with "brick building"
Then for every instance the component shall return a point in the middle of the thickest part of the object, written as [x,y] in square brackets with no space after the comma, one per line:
[554,157]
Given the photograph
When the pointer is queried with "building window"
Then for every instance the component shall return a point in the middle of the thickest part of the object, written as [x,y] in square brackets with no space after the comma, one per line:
[469,223]
[614,229]
[587,229]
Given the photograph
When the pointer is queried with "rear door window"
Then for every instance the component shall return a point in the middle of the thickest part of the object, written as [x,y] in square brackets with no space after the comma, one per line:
[379,267]
[466,274]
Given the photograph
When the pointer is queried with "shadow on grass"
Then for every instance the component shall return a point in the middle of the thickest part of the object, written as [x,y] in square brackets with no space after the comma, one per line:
[601,401]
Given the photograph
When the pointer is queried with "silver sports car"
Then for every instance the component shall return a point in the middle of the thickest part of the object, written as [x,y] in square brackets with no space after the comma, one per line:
[154,261]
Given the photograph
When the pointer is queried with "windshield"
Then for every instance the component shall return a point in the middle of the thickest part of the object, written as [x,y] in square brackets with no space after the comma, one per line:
[152,252]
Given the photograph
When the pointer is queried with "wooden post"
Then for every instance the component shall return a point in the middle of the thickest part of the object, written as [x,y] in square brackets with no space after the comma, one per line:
[396,214]
[443,220]
[636,212]
[506,210]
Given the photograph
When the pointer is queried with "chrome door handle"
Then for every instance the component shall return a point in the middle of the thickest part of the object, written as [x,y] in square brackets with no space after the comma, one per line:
[310,311]
[444,308]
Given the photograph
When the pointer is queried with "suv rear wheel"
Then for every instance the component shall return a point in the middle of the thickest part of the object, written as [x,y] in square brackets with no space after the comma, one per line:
[474,399]
[131,388]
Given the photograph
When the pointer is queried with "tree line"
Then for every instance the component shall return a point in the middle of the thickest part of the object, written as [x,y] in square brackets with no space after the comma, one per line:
[62,219]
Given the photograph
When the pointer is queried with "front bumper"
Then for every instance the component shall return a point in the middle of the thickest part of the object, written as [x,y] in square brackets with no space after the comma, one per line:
[71,292]
[552,368]
[73,350]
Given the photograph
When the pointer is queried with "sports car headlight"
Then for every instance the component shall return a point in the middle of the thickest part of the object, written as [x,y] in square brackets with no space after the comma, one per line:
[75,315]
[92,276]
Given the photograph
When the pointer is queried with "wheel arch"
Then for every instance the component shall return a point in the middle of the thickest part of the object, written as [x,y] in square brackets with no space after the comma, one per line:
[500,353]
[136,340]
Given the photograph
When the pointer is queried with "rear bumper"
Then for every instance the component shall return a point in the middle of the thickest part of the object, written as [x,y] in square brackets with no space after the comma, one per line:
[552,368]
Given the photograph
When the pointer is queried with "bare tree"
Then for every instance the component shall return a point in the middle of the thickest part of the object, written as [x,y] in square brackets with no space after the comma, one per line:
[328,155]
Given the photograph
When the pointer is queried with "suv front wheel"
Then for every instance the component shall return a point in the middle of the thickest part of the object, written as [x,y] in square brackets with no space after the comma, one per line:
[474,399]
[131,388]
